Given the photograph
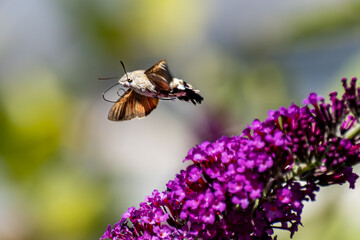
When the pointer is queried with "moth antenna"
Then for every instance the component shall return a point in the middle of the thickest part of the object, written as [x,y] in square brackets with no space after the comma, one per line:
[123,65]
[103,95]
[107,78]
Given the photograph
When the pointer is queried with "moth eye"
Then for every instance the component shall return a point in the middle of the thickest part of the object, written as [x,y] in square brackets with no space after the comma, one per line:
[129,80]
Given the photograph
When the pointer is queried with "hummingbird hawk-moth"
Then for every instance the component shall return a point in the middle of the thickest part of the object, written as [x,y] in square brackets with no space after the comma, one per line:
[145,88]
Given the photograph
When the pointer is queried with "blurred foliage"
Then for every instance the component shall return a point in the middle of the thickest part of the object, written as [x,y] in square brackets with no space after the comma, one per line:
[328,23]
[57,200]
[117,28]
[70,209]
[33,119]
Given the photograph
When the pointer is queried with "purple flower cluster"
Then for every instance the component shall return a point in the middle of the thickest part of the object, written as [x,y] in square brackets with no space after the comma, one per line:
[243,187]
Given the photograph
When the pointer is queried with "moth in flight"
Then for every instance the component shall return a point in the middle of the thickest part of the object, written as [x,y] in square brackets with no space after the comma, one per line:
[145,90]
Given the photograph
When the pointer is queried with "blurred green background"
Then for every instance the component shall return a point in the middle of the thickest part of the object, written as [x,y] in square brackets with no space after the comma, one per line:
[66,171]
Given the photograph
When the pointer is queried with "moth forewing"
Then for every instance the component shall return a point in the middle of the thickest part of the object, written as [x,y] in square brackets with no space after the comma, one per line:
[159,82]
[160,69]
[131,105]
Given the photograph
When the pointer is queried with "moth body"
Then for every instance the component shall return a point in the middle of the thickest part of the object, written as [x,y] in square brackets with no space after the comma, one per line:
[146,87]
[140,83]
[137,81]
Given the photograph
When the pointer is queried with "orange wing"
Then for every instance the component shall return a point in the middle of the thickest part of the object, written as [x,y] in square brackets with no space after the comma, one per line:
[160,76]
[131,105]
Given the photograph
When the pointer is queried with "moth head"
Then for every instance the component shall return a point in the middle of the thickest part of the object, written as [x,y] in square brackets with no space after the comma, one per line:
[128,80]
[125,80]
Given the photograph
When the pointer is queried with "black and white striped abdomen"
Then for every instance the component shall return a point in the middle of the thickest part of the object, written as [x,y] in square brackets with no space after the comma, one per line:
[185,91]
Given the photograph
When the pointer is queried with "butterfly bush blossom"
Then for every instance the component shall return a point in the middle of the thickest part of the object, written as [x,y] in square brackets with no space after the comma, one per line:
[243,187]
